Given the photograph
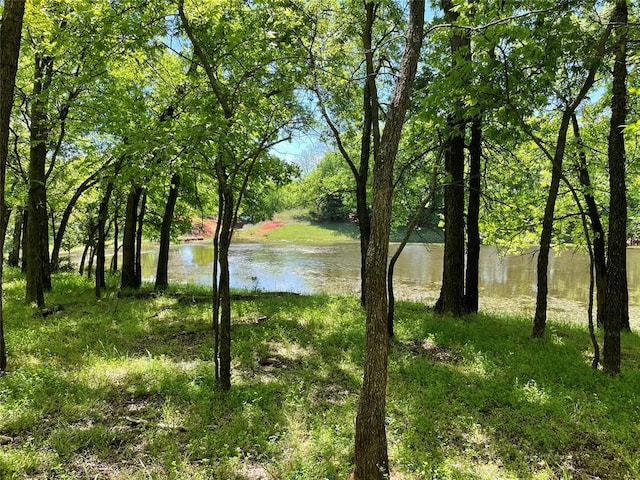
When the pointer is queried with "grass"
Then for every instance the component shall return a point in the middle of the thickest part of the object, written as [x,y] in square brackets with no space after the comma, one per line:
[296,226]
[124,389]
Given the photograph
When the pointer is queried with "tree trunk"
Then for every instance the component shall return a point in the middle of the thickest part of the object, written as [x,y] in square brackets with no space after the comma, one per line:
[25,222]
[143,210]
[10,35]
[471,296]
[370,131]
[599,244]
[617,302]
[64,220]
[129,239]
[83,259]
[371,458]
[452,299]
[37,253]
[224,294]
[14,255]
[116,248]
[100,246]
[162,272]
[540,318]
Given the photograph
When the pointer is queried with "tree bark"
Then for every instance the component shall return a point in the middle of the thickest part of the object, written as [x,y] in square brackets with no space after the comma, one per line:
[37,252]
[371,457]
[162,272]
[100,245]
[599,244]
[14,255]
[617,302]
[64,220]
[128,278]
[10,36]
[116,234]
[452,300]
[471,295]
[141,214]
[224,242]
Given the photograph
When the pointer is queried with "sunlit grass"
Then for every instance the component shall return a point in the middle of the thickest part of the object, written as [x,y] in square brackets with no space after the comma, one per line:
[124,388]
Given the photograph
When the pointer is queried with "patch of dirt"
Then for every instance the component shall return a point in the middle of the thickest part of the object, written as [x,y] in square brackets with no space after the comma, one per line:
[256,472]
[436,353]
[267,227]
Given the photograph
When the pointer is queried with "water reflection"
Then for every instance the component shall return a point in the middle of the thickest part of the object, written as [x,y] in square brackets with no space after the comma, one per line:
[336,269]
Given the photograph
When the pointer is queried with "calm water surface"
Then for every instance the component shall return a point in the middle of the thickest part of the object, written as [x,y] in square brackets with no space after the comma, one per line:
[507,283]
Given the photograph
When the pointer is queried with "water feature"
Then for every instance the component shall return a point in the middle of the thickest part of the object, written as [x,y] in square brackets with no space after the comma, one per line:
[507,283]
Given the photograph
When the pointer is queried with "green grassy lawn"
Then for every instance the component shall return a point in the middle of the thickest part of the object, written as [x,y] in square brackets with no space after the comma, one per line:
[296,226]
[124,389]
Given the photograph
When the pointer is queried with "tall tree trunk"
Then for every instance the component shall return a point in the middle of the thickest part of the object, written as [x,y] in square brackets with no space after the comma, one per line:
[128,279]
[617,302]
[25,222]
[471,296]
[226,230]
[599,244]
[162,272]
[540,318]
[100,246]
[370,137]
[371,458]
[14,255]
[10,35]
[38,271]
[143,211]
[451,300]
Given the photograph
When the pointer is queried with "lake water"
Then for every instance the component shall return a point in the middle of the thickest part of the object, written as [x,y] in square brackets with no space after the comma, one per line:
[507,283]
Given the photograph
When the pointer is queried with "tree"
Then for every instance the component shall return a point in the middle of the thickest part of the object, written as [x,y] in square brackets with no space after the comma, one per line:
[451,299]
[593,63]
[617,301]
[10,37]
[246,54]
[371,457]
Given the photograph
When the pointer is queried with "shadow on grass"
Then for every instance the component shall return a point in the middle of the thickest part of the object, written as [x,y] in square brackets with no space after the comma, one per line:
[494,403]
[123,387]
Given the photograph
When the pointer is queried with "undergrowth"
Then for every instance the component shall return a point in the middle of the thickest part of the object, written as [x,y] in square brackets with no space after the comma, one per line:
[123,388]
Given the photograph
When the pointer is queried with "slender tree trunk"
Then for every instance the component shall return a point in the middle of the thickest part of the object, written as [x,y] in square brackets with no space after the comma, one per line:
[64,220]
[143,210]
[25,222]
[540,318]
[405,239]
[116,247]
[370,131]
[371,458]
[83,259]
[14,255]
[617,302]
[224,286]
[162,272]
[100,246]
[599,244]
[10,35]
[471,296]
[129,239]
[452,298]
